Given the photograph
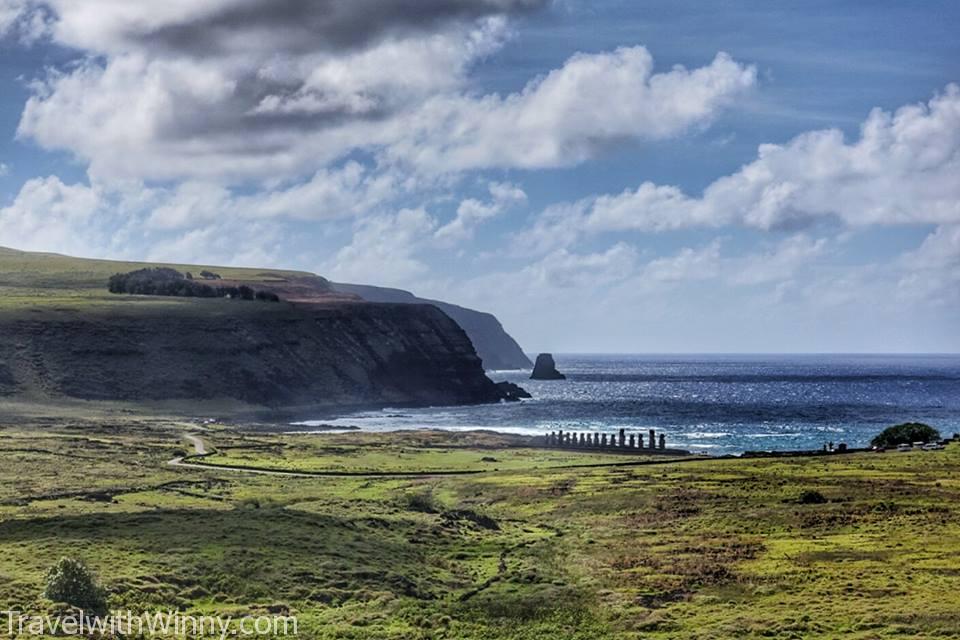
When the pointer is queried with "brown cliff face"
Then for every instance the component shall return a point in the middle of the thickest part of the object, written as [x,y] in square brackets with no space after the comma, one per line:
[274,355]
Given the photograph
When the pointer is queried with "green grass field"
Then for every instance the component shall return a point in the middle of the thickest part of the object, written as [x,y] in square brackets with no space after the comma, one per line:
[51,281]
[423,451]
[702,549]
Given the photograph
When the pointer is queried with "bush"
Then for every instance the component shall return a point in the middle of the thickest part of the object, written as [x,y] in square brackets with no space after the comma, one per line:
[906,433]
[422,501]
[70,581]
[812,497]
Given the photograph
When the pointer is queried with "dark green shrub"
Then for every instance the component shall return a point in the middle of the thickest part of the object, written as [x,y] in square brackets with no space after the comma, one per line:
[70,581]
[812,497]
[906,433]
[422,501]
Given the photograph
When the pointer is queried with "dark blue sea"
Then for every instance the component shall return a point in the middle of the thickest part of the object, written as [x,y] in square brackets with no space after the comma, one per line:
[715,404]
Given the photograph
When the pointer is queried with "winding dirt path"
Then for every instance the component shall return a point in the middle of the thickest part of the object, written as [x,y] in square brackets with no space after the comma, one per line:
[200,451]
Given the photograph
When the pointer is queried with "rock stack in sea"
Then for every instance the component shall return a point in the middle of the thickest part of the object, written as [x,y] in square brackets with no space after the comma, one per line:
[546,369]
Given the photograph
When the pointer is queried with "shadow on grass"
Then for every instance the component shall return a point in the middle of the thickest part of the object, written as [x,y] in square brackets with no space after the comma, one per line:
[248,554]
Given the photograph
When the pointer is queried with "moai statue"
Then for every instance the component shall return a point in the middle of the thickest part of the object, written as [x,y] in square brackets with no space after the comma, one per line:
[603,441]
[639,441]
[623,438]
[663,441]
[583,440]
[591,441]
[561,437]
[633,441]
[653,439]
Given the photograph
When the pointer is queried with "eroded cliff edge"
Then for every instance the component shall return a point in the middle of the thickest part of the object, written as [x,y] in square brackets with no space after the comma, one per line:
[281,356]
[496,348]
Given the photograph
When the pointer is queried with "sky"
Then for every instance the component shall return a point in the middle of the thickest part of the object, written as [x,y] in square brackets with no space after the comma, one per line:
[636,176]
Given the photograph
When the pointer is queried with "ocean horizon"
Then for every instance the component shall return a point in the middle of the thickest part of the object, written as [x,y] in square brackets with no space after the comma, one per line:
[711,402]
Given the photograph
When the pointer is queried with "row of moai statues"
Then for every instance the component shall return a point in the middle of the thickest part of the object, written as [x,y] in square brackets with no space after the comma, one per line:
[568,440]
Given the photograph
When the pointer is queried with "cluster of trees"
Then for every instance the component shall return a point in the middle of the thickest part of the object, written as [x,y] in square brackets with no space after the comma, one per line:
[906,433]
[163,281]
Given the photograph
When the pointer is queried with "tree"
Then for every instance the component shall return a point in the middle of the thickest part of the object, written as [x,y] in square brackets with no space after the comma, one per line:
[163,281]
[906,433]
[70,581]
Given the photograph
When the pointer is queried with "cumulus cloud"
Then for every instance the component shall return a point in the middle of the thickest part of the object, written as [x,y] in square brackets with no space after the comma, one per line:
[384,250]
[472,212]
[226,27]
[775,264]
[231,90]
[192,222]
[594,101]
[249,88]
[904,169]
[24,20]
[48,215]
[351,190]
[932,271]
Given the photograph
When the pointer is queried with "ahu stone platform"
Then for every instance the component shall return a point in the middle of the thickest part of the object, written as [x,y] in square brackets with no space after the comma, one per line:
[620,443]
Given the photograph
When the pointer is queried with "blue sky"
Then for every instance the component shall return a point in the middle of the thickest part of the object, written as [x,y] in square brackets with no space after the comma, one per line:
[604,176]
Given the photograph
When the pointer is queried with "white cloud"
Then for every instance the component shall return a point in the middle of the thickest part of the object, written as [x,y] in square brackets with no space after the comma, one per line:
[384,250]
[48,215]
[146,109]
[904,169]
[932,271]
[778,264]
[190,223]
[230,27]
[687,264]
[594,101]
[25,20]
[349,191]
[565,270]
[774,264]
[473,212]
[231,90]
[10,11]
[4,169]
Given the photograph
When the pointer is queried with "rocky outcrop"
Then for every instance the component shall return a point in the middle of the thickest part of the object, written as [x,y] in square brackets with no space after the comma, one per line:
[546,369]
[512,392]
[494,345]
[270,355]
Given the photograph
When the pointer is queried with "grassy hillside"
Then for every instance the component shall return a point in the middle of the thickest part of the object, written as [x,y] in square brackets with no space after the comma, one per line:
[48,279]
[64,336]
[704,549]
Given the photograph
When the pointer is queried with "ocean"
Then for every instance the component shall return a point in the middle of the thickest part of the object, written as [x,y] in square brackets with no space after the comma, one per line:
[714,404]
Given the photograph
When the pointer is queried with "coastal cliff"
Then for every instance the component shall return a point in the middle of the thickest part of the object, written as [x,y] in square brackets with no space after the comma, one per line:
[294,356]
[63,335]
[496,348]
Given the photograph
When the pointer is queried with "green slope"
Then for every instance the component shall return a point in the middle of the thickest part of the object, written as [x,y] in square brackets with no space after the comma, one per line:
[51,276]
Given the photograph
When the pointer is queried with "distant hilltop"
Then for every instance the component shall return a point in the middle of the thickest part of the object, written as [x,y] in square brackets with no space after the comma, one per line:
[295,343]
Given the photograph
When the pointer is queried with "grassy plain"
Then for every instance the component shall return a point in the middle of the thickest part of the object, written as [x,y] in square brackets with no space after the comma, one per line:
[712,549]
[46,283]
[425,451]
